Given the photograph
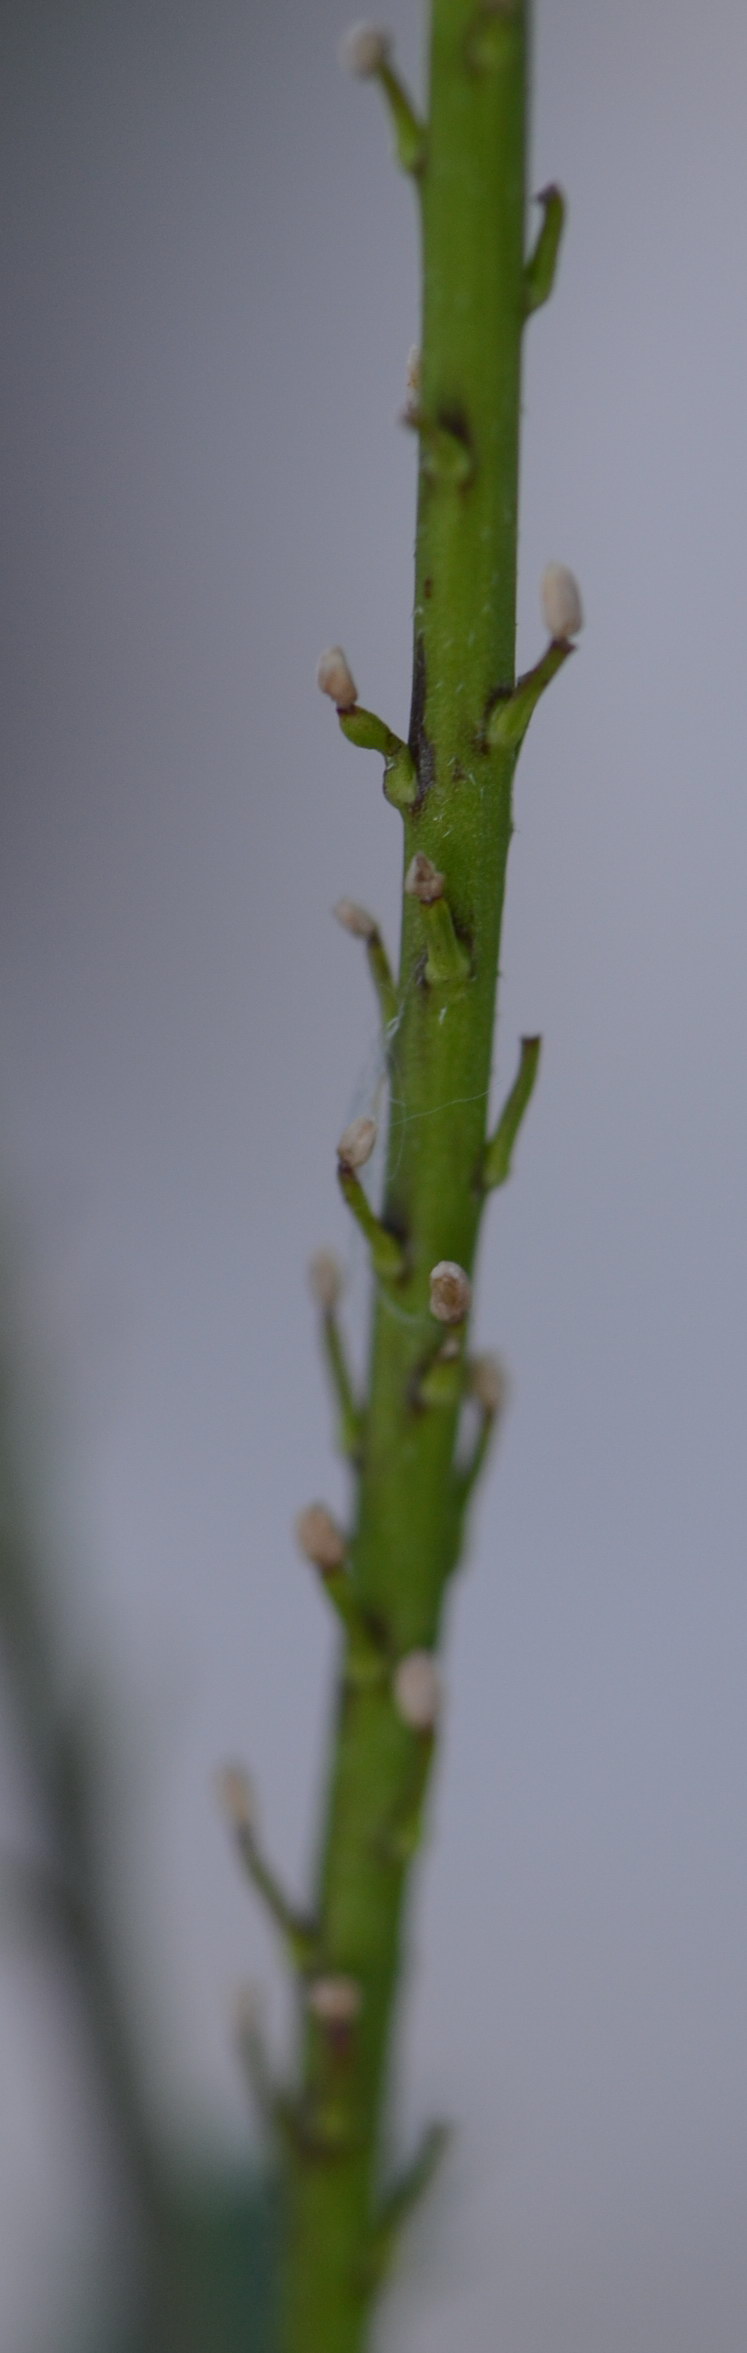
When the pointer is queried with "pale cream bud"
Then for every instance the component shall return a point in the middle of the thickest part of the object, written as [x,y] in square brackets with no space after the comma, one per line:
[364,50]
[560,598]
[451,1292]
[320,1538]
[335,2001]
[356,1144]
[416,1688]
[488,1383]
[355,919]
[335,678]
[234,1794]
[325,1280]
[423,881]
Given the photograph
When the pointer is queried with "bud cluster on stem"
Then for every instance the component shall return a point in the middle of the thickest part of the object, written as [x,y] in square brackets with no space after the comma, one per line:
[416,1441]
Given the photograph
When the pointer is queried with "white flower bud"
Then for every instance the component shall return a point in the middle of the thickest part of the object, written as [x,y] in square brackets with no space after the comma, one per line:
[356,1145]
[325,1280]
[423,881]
[363,50]
[335,2001]
[416,1689]
[560,598]
[335,678]
[355,919]
[488,1383]
[451,1292]
[234,1794]
[320,1538]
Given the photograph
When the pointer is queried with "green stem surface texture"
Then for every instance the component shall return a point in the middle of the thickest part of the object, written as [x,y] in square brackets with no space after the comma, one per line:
[471,190]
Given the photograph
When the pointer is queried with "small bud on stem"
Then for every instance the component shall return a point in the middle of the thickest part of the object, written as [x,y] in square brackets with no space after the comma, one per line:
[235,1797]
[356,1144]
[320,1538]
[335,2001]
[364,49]
[335,678]
[234,1794]
[423,881]
[325,1284]
[362,926]
[560,597]
[354,1149]
[356,920]
[451,1292]
[447,961]
[416,1690]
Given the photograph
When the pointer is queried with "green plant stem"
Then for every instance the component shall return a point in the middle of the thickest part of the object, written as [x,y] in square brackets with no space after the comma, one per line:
[472,188]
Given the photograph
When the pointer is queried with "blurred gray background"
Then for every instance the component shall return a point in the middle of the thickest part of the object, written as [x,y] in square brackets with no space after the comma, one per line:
[210,290]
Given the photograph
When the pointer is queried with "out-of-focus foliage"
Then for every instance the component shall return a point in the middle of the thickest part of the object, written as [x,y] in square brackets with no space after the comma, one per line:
[214,2292]
[202,2243]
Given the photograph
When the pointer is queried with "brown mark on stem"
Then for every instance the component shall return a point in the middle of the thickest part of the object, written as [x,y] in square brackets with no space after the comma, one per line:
[454,421]
[419,742]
